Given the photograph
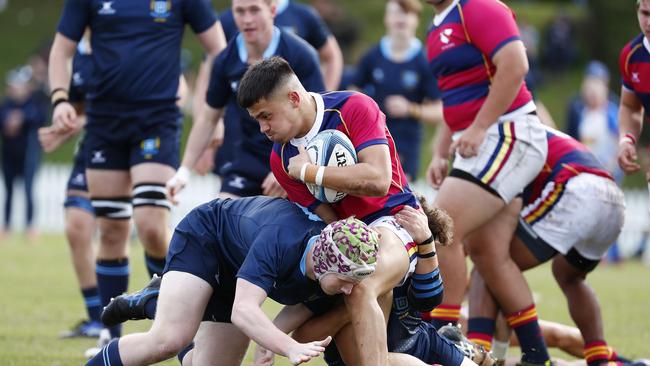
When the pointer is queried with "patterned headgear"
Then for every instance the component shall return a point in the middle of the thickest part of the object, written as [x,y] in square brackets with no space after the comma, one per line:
[346,247]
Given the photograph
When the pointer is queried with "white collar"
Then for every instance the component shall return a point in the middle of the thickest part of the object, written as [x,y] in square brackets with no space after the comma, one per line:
[646,44]
[315,128]
[281,6]
[437,20]
[270,49]
[415,46]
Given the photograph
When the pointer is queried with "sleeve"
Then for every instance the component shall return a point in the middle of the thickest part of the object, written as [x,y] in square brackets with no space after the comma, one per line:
[75,92]
[361,76]
[74,19]
[623,62]
[490,25]
[296,191]
[365,122]
[199,14]
[317,31]
[263,262]
[306,66]
[219,91]
[228,24]
[429,82]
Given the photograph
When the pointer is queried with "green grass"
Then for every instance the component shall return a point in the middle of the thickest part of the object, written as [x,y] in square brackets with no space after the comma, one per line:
[39,299]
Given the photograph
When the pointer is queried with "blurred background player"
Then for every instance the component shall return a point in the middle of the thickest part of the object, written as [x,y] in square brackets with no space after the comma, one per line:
[133,131]
[499,145]
[396,75]
[21,114]
[249,173]
[79,212]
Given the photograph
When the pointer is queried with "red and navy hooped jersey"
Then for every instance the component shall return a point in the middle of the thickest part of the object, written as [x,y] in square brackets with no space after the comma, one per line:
[566,158]
[359,117]
[634,64]
[460,46]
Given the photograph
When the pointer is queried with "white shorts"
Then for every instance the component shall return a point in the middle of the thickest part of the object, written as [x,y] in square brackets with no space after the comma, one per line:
[587,214]
[388,222]
[510,157]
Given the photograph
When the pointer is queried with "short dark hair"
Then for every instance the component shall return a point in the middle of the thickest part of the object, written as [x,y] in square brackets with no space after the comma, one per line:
[409,6]
[261,80]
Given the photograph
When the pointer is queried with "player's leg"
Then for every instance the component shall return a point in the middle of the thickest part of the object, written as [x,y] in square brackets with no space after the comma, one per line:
[32,161]
[181,303]
[9,175]
[243,176]
[220,344]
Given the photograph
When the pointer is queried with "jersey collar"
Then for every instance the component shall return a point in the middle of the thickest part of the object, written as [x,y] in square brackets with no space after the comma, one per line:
[437,20]
[415,46]
[315,128]
[281,6]
[303,260]
[646,44]
[270,50]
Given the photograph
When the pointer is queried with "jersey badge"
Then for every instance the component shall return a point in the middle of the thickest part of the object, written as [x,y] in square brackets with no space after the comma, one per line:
[635,77]
[98,157]
[107,8]
[378,75]
[149,147]
[160,10]
[410,79]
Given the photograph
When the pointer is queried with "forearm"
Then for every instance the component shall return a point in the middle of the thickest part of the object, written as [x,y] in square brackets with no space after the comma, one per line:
[442,141]
[369,328]
[331,64]
[629,122]
[431,112]
[291,317]
[503,90]
[201,86]
[200,137]
[59,64]
[321,326]
[361,179]
[256,325]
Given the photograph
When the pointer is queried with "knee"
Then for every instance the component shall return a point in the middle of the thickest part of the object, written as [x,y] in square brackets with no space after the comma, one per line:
[114,233]
[151,233]
[169,344]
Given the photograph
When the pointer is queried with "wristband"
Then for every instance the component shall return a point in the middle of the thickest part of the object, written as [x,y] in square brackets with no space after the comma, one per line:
[183,174]
[431,254]
[428,241]
[628,137]
[319,176]
[59,101]
[303,169]
[58,94]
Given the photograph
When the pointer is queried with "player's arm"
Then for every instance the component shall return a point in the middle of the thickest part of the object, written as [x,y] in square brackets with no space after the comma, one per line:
[439,165]
[249,317]
[363,303]
[61,54]
[630,126]
[331,60]
[429,111]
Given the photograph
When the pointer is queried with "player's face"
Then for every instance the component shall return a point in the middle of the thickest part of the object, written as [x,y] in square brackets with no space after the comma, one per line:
[398,22]
[333,284]
[643,13]
[254,19]
[278,117]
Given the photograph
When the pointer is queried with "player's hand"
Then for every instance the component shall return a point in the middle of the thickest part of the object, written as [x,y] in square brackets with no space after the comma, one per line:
[397,106]
[263,357]
[205,163]
[437,171]
[415,222]
[177,183]
[627,158]
[296,162]
[219,133]
[271,187]
[64,117]
[469,142]
[49,139]
[304,352]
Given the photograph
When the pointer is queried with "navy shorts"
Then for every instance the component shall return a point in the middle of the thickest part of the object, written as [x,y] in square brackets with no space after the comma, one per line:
[145,135]
[245,175]
[197,256]
[231,142]
[407,137]
[77,179]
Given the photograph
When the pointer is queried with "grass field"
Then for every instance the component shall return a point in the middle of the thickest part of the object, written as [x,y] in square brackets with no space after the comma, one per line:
[39,298]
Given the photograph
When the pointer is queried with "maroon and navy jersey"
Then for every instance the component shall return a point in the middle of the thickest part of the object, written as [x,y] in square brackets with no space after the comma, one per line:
[634,65]
[460,46]
[567,157]
[359,117]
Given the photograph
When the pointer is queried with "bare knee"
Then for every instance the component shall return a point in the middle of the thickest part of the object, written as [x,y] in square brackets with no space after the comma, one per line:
[168,343]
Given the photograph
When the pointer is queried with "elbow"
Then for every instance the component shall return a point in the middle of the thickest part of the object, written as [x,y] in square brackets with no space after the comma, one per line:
[379,186]
[424,304]
[237,316]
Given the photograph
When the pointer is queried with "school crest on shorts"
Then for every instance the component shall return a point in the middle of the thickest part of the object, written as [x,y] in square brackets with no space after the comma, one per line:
[160,10]
[150,147]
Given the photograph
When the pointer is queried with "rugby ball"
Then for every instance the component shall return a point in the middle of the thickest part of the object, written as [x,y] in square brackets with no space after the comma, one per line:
[330,148]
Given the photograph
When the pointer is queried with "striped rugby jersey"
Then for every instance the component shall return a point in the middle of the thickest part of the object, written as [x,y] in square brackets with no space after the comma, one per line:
[634,64]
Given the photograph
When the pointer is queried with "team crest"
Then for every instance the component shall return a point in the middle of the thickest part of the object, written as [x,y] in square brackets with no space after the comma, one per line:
[150,147]
[410,79]
[161,10]
[378,75]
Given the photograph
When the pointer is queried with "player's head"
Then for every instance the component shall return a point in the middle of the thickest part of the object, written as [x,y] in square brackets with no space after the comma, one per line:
[273,95]
[643,14]
[344,254]
[254,19]
[401,17]
[438,2]
[19,83]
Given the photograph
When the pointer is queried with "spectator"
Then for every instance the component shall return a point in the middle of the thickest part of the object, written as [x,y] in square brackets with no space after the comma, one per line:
[559,48]
[21,115]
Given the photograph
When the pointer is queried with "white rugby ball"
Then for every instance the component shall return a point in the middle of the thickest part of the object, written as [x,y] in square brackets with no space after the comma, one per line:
[330,148]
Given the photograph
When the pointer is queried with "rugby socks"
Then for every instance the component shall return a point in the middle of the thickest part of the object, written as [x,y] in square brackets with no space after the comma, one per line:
[112,281]
[108,356]
[154,265]
[186,350]
[597,353]
[93,303]
[525,324]
[481,331]
[442,315]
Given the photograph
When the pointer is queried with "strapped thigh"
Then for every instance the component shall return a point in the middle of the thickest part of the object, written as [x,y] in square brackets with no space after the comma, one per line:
[150,194]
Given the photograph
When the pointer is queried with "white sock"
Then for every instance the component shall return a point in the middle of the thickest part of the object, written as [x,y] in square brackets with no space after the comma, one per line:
[500,349]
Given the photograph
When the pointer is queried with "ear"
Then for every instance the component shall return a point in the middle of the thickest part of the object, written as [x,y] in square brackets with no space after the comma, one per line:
[294,98]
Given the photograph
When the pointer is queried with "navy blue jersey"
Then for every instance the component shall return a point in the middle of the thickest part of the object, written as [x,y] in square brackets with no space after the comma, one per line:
[300,19]
[34,115]
[230,66]
[380,76]
[263,240]
[136,46]
[82,70]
